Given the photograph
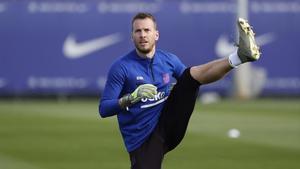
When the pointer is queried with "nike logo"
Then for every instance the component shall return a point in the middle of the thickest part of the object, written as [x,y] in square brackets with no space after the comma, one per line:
[74,50]
[224,48]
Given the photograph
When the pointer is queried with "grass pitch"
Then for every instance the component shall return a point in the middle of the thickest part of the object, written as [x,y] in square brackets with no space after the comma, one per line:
[48,134]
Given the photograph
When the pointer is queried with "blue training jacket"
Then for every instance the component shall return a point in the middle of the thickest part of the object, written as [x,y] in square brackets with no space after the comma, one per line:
[125,75]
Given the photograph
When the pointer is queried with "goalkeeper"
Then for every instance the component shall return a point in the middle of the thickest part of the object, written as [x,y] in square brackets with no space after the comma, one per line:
[153,118]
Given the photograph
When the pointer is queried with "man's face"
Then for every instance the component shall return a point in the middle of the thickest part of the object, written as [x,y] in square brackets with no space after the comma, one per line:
[144,35]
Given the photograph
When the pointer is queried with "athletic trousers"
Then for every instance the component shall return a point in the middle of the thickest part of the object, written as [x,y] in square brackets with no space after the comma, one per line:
[171,127]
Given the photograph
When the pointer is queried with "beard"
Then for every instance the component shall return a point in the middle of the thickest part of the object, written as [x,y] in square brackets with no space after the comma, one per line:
[144,50]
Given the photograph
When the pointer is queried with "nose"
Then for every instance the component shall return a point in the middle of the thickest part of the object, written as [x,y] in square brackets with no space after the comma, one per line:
[143,34]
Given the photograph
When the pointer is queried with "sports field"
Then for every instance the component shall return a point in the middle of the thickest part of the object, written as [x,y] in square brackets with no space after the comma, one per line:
[50,134]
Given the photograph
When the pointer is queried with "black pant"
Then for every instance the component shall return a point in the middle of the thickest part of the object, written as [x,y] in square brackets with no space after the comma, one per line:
[171,127]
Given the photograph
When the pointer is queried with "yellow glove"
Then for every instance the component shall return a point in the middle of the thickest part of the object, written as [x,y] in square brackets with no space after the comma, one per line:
[142,91]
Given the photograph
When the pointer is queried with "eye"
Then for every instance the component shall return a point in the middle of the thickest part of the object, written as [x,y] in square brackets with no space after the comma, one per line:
[137,30]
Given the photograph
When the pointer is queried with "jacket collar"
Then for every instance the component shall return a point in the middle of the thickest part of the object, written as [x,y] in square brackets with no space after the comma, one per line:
[137,57]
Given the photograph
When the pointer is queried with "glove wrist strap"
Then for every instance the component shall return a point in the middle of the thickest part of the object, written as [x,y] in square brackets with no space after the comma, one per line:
[125,101]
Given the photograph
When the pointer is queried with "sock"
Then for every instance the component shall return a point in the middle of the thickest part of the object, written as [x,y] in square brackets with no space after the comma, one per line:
[234,60]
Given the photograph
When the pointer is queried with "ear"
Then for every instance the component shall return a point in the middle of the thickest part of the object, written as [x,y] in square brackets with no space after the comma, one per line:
[156,35]
[131,37]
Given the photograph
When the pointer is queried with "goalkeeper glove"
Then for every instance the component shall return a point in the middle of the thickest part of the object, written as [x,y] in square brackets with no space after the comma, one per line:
[143,91]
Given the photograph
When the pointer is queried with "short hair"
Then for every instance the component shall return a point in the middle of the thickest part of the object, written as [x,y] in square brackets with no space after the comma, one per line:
[144,15]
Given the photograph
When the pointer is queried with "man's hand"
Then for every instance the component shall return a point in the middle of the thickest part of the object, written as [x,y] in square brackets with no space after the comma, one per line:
[143,91]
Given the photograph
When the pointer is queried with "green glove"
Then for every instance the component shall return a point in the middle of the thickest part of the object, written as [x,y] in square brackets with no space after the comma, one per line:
[143,91]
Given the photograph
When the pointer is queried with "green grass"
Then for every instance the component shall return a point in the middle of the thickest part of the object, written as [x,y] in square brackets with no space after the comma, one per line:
[48,134]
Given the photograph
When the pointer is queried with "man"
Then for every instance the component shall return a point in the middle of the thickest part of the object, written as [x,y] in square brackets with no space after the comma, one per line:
[152,117]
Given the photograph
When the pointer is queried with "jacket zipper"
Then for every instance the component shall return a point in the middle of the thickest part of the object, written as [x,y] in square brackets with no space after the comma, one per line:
[151,70]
